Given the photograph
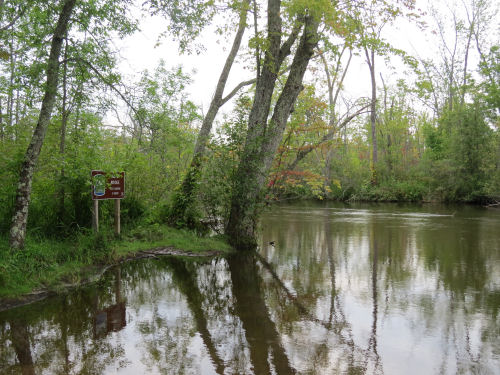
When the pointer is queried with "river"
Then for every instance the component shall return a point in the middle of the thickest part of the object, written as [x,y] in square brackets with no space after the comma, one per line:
[333,289]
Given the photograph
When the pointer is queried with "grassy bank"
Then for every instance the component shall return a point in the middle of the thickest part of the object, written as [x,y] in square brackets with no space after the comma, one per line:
[50,264]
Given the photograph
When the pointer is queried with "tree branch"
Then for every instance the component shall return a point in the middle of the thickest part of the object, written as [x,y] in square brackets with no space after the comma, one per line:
[236,89]
[114,88]
[287,45]
[327,137]
[11,23]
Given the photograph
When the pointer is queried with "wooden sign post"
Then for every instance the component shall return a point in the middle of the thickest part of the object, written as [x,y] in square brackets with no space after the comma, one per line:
[95,216]
[107,186]
[117,217]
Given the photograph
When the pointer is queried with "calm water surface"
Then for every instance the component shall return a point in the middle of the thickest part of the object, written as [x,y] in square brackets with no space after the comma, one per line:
[345,289]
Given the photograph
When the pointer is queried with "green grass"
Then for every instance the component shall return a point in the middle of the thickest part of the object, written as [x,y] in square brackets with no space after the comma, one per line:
[143,238]
[51,264]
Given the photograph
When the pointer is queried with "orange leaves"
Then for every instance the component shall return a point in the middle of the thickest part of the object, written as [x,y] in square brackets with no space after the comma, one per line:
[288,181]
[293,177]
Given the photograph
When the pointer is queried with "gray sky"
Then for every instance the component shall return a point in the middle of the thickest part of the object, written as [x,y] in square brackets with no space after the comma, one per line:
[140,52]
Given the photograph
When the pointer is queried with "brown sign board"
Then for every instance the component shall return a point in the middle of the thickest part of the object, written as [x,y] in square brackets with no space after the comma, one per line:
[108,185]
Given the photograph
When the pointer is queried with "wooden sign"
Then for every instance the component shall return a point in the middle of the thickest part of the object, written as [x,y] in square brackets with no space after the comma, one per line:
[108,186]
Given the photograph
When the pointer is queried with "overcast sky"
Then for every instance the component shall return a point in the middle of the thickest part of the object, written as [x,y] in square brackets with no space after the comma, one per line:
[140,51]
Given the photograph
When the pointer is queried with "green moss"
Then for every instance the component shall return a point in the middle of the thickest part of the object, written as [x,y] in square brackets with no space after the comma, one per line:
[51,264]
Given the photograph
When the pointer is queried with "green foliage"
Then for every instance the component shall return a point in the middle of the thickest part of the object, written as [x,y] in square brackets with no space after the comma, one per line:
[452,158]
[10,162]
[223,155]
[184,211]
[390,191]
[490,87]
[132,210]
[187,18]
[435,141]
[460,154]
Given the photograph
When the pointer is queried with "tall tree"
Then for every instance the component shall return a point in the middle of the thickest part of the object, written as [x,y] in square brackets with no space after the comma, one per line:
[370,30]
[185,196]
[62,140]
[372,17]
[87,31]
[20,217]
[370,60]
[264,134]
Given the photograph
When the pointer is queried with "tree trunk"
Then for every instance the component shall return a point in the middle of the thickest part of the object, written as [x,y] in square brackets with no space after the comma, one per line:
[263,137]
[62,142]
[185,197]
[466,61]
[17,107]
[20,217]
[10,97]
[2,130]
[370,59]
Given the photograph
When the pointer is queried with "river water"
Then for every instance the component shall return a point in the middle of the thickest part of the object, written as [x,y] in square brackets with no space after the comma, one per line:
[334,289]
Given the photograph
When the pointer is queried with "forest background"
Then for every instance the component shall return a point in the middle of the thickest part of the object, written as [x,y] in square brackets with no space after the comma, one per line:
[425,130]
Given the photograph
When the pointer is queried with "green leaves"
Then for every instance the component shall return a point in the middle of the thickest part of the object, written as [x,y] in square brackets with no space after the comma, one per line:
[490,87]
[164,108]
[185,18]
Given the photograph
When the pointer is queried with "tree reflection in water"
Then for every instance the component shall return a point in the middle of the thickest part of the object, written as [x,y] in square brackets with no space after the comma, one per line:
[409,283]
[186,282]
[55,336]
[266,351]
[351,291]
[20,341]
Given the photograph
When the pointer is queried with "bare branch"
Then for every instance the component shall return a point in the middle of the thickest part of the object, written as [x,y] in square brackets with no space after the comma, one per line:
[104,80]
[327,137]
[236,89]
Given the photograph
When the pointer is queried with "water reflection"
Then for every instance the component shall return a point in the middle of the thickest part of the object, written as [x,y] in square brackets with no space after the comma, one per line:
[351,290]
[412,285]
[112,318]
[21,343]
[266,350]
[185,278]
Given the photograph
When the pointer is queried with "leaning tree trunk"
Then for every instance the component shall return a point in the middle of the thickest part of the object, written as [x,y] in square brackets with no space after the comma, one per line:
[62,142]
[264,137]
[185,196]
[370,59]
[20,217]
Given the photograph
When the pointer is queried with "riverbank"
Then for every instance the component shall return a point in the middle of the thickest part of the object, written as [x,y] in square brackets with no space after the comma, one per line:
[47,266]
[393,192]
